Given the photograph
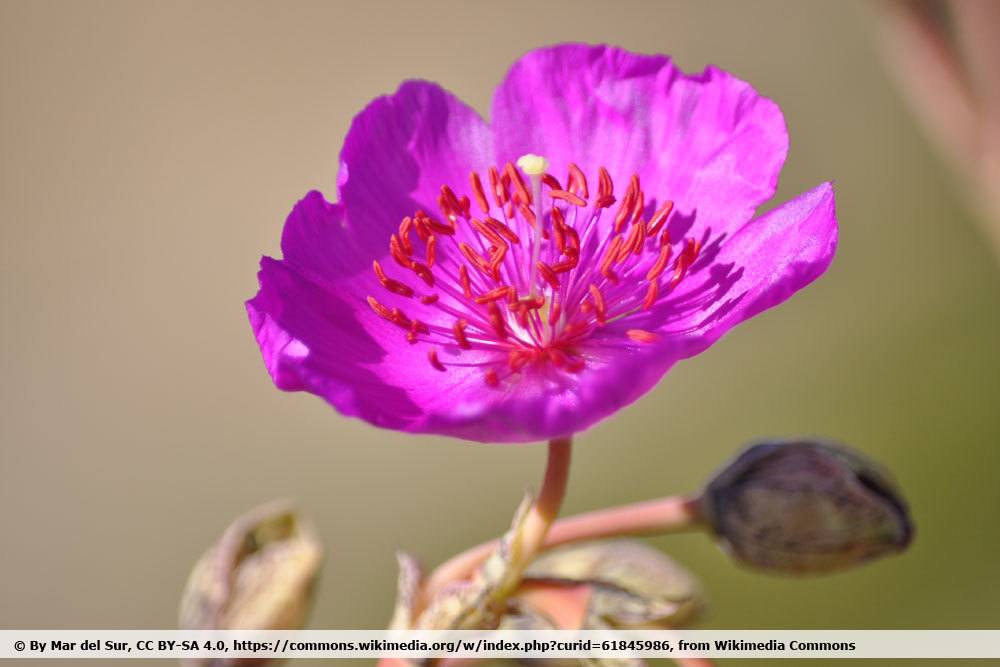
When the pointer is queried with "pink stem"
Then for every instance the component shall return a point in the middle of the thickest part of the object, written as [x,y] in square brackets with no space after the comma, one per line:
[663,515]
[540,518]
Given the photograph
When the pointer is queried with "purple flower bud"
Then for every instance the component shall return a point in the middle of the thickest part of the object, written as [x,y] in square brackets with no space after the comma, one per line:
[806,507]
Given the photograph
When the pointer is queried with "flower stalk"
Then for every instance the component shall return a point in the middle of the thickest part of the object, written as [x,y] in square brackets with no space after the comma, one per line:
[540,518]
[662,515]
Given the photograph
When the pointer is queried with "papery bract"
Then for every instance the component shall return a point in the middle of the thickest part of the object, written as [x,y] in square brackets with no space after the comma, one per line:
[450,291]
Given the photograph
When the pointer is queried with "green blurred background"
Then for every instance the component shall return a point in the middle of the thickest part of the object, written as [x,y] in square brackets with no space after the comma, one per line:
[148,155]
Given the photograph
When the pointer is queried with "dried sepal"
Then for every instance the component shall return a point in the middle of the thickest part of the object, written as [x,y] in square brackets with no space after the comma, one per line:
[478,602]
[407,589]
[615,583]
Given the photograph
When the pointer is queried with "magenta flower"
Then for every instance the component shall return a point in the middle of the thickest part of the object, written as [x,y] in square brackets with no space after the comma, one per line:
[450,291]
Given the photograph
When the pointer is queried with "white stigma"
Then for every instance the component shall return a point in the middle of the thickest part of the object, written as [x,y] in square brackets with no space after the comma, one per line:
[532,165]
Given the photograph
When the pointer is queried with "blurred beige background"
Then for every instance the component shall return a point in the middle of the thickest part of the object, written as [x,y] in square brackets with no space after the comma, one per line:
[148,155]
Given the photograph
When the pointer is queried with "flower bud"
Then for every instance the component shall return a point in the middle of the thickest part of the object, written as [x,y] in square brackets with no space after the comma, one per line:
[806,507]
[260,575]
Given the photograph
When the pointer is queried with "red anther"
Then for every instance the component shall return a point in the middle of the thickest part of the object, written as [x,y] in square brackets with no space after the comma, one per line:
[380,310]
[565,265]
[465,206]
[500,194]
[458,329]
[416,326]
[399,318]
[642,336]
[392,285]
[494,294]
[411,337]
[498,254]
[432,356]
[577,180]
[665,238]
[478,192]
[605,186]
[611,254]
[521,315]
[503,230]
[660,217]
[567,197]
[404,234]
[449,197]
[548,274]
[624,211]
[638,206]
[440,227]
[558,230]
[629,245]
[431,246]
[533,302]
[633,184]
[496,320]
[491,378]
[558,219]
[429,299]
[573,239]
[396,250]
[518,182]
[599,308]
[424,273]
[527,213]
[554,312]
[463,277]
[604,201]
[551,181]
[652,293]
[491,235]
[660,265]
[511,296]
[476,259]
[423,229]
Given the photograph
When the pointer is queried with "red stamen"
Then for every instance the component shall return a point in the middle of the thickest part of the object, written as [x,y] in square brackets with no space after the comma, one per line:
[567,197]
[432,356]
[458,329]
[577,180]
[491,378]
[494,294]
[463,278]
[478,192]
[652,293]
[642,336]
[390,284]
[599,307]
[660,217]
[496,320]
[431,245]
[520,188]
[548,274]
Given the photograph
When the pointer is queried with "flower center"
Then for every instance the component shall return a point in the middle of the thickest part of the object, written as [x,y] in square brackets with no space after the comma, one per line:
[531,276]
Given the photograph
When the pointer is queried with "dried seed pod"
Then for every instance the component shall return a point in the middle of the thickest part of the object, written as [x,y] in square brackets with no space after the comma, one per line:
[260,575]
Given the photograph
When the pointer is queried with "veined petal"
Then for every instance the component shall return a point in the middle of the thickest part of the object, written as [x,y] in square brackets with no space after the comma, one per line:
[709,142]
[398,153]
[762,265]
